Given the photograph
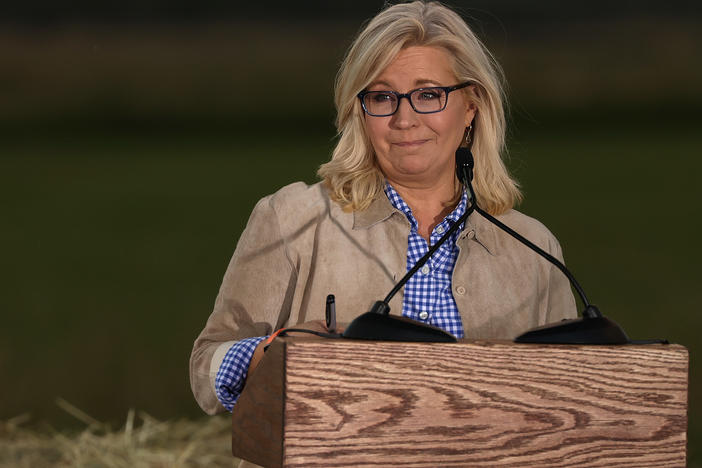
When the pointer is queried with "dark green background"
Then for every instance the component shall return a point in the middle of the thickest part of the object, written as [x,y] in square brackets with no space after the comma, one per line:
[134,142]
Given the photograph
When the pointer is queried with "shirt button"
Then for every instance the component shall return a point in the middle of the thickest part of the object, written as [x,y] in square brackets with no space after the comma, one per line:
[423,315]
[425,270]
[440,229]
[460,290]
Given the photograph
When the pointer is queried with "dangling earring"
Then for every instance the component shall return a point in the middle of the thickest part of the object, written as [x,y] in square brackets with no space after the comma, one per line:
[464,160]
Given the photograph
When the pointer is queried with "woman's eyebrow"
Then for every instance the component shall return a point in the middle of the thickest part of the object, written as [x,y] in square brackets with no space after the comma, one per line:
[418,82]
[423,81]
[380,82]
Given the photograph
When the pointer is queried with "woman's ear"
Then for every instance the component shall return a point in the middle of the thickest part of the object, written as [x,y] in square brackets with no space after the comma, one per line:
[470,97]
[470,114]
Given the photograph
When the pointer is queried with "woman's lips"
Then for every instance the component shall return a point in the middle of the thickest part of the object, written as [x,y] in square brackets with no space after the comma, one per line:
[410,143]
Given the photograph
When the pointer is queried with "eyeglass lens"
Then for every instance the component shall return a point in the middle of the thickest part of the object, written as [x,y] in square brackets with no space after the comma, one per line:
[424,100]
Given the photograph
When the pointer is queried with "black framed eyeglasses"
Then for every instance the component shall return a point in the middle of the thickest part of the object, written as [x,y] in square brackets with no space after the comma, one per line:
[422,100]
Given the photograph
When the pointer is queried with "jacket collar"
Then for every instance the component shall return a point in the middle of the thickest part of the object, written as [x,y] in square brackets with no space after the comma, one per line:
[379,210]
[476,227]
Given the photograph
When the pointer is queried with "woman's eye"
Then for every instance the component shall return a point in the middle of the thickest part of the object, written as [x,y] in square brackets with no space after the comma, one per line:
[429,95]
[383,97]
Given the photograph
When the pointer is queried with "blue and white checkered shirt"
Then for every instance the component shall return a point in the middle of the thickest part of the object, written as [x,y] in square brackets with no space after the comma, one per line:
[427,299]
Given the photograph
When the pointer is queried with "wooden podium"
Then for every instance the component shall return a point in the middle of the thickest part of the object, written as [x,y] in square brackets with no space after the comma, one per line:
[315,402]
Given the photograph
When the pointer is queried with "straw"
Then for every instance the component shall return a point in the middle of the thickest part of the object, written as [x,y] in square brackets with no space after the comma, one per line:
[143,442]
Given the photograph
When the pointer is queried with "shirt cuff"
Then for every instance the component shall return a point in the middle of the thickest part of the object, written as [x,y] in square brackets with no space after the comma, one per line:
[232,373]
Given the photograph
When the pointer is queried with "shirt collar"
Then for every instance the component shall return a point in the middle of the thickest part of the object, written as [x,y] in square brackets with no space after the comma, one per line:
[397,202]
[476,227]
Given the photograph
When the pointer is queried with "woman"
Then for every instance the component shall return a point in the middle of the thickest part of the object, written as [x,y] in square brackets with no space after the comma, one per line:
[414,86]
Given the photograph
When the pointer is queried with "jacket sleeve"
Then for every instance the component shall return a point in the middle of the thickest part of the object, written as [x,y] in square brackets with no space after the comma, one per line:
[254,299]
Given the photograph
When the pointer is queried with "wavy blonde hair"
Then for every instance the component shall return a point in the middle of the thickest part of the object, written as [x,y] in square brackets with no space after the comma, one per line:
[352,175]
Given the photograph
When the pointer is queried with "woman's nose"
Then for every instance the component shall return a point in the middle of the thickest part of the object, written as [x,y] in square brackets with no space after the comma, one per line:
[405,116]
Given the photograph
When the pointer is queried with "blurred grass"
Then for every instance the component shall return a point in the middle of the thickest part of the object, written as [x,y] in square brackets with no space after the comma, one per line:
[142,441]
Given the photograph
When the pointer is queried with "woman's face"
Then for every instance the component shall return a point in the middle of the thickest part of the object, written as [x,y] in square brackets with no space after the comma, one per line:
[418,150]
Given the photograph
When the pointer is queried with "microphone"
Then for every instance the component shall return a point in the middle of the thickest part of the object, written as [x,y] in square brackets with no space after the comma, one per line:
[592,328]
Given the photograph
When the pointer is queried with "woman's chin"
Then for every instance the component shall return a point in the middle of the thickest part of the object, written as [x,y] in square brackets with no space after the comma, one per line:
[414,175]
[413,167]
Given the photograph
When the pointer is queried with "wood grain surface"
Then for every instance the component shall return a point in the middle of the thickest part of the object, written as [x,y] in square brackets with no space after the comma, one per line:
[352,403]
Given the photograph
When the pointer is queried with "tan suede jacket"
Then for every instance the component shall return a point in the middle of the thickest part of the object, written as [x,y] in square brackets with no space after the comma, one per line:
[299,246]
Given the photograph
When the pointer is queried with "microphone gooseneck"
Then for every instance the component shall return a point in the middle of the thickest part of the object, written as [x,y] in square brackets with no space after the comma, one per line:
[592,328]
[378,324]
[420,263]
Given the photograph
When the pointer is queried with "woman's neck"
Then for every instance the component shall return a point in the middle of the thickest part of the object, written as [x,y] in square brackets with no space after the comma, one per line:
[429,204]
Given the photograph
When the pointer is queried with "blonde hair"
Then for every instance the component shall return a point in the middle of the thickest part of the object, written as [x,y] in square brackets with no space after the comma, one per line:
[352,175]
